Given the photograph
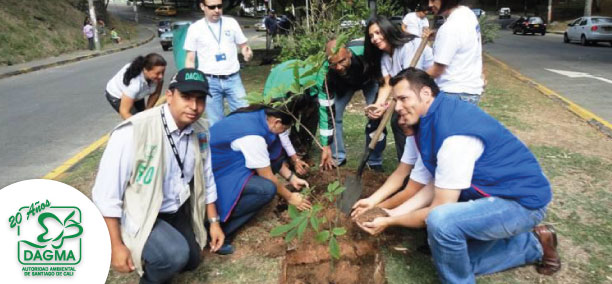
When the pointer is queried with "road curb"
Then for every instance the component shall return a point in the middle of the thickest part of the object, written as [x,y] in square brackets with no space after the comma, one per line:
[599,123]
[76,59]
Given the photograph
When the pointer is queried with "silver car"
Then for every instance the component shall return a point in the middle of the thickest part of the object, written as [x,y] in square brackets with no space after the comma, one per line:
[589,30]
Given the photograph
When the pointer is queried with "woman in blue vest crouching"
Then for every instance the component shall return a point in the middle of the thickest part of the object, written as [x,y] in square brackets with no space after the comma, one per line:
[246,154]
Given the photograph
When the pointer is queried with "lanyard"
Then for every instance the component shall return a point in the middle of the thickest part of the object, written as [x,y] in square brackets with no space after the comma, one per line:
[218,39]
[174,150]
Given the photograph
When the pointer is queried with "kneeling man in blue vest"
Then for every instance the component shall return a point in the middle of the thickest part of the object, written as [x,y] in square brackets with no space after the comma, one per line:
[475,186]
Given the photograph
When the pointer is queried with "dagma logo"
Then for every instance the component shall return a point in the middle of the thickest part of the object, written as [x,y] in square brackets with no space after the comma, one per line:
[53,240]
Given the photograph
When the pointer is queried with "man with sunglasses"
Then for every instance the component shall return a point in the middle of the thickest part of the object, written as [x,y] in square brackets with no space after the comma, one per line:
[213,40]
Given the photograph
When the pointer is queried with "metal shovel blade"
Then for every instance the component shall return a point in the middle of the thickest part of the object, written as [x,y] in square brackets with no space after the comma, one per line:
[351,194]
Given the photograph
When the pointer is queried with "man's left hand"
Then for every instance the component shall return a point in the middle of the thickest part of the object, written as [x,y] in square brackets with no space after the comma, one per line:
[216,237]
[376,226]
[327,162]
[247,53]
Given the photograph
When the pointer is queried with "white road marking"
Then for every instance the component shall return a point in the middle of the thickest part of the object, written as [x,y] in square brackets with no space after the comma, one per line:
[573,74]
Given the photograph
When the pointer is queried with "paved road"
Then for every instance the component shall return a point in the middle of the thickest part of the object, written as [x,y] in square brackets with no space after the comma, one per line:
[533,55]
[50,115]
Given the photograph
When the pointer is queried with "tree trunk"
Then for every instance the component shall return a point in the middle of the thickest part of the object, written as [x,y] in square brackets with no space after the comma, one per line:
[587,7]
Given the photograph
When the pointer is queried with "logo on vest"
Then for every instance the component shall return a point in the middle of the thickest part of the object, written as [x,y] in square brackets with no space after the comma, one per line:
[49,238]
[194,76]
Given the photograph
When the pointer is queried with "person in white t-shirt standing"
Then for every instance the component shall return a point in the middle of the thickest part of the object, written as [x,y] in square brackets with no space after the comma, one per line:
[414,23]
[457,51]
[213,40]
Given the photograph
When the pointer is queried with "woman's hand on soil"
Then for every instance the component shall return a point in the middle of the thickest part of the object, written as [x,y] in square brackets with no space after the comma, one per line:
[301,167]
[216,237]
[376,226]
[298,183]
[361,206]
[299,201]
[327,163]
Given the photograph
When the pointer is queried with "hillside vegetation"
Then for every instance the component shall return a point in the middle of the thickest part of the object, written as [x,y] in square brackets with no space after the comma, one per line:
[42,28]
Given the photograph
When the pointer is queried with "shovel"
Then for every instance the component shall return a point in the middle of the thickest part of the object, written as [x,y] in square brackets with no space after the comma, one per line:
[353,183]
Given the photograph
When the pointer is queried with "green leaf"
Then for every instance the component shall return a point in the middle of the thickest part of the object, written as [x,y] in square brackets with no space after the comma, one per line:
[316,208]
[314,222]
[291,235]
[293,212]
[322,236]
[334,249]
[339,231]
[277,231]
[339,190]
[332,186]
[302,228]
[307,85]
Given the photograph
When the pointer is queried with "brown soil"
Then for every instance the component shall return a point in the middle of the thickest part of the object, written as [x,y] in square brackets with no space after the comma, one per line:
[371,214]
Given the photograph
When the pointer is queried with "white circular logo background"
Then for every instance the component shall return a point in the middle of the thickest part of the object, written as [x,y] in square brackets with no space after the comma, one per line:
[51,233]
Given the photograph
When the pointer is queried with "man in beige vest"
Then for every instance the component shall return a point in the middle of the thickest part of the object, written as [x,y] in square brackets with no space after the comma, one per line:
[155,186]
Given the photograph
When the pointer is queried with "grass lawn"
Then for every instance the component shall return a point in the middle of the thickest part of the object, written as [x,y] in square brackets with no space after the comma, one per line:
[576,158]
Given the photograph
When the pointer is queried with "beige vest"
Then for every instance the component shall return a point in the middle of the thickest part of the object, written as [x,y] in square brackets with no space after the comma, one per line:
[143,195]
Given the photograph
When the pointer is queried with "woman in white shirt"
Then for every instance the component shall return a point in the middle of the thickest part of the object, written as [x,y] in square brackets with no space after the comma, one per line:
[143,77]
[388,51]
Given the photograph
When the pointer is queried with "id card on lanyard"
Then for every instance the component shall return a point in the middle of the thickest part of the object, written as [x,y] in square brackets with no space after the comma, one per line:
[185,190]
[220,56]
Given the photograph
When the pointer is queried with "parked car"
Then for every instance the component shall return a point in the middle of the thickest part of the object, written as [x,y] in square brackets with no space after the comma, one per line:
[530,25]
[589,30]
[165,11]
[166,38]
[260,26]
[478,12]
[504,13]
[162,27]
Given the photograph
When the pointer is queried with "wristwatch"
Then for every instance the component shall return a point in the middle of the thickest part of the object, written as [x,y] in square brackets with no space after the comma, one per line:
[213,220]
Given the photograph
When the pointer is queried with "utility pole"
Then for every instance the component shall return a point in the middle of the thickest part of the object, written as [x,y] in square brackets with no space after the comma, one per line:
[372,6]
[587,7]
[549,18]
[94,23]
[136,11]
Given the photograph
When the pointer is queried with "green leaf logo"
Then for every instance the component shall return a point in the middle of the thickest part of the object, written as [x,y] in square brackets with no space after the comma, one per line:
[70,229]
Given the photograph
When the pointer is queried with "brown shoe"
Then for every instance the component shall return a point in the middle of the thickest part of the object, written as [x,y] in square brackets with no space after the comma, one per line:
[551,262]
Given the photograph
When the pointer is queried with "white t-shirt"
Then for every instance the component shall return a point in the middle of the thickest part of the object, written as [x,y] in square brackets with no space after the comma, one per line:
[414,24]
[411,153]
[137,89]
[392,65]
[202,38]
[458,46]
[286,142]
[255,151]
[456,159]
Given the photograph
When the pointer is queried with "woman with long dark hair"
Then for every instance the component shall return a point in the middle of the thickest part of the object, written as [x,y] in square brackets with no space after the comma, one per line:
[142,78]
[246,153]
[388,51]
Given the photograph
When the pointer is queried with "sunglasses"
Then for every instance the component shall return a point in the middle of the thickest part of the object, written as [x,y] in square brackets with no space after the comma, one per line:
[212,7]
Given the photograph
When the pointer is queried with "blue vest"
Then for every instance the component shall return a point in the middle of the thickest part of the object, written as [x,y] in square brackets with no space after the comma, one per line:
[506,168]
[231,174]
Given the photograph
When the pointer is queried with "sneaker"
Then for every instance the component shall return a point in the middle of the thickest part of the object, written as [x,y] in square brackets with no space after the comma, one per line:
[225,249]
[343,163]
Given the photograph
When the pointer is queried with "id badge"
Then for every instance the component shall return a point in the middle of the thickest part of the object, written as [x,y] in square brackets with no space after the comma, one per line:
[220,57]
[185,193]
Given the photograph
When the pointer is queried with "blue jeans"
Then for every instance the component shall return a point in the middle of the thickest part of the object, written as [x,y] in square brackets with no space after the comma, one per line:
[470,98]
[342,99]
[257,192]
[230,89]
[483,236]
[171,247]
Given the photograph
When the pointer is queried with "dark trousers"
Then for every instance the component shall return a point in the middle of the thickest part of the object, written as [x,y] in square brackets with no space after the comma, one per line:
[257,192]
[309,119]
[90,41]
[115,103]
[171,247]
